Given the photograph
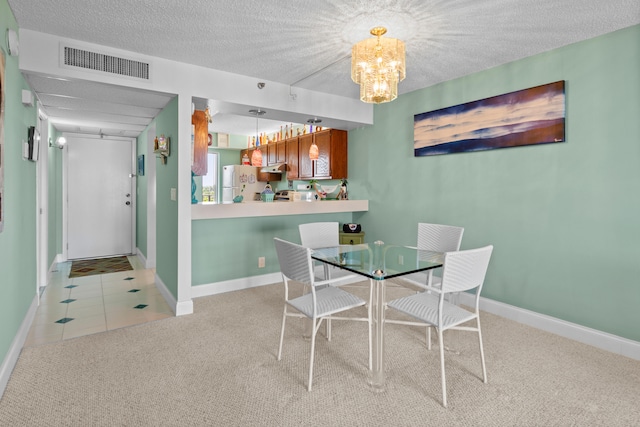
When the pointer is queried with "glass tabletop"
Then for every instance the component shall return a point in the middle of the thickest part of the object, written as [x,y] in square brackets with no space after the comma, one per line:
[378,260]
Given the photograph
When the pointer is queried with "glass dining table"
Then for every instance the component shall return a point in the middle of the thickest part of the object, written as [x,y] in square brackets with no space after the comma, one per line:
[378,262]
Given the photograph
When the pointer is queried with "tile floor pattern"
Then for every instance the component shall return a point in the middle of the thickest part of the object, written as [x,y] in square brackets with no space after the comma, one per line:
[71,308]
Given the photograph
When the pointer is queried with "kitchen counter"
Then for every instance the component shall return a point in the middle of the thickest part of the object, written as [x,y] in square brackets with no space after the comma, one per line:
[261,209]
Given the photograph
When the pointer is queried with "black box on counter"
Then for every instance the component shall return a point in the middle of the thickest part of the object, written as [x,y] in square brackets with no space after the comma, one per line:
[351,228]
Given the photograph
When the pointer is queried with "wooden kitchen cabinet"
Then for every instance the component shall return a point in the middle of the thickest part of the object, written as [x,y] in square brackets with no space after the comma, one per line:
[276,153]
[200,143]
[332,155]
[261,176]
[292,158]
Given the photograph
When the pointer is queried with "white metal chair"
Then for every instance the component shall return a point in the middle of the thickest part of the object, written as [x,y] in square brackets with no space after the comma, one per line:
[462,271]
[316,235]
[436,238]
[321,303]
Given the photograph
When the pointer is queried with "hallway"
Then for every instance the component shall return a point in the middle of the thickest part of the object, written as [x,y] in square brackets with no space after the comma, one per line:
[80,306]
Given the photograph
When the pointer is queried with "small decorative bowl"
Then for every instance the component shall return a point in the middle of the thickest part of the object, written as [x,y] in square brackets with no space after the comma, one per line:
[238,199]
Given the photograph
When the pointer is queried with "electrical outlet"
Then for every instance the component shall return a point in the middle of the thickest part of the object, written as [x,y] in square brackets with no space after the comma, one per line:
[173,194]
[261,262]
[400,260]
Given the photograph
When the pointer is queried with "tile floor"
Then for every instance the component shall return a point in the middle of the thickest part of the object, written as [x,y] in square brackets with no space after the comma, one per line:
[71,308]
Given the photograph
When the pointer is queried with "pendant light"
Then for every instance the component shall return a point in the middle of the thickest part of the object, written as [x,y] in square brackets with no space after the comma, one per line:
[313,150]
[256,156]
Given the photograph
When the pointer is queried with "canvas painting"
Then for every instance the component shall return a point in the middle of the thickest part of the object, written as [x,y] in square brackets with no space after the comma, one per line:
[525,117]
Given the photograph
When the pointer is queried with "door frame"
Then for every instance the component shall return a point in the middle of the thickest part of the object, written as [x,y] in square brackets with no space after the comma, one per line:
[42,204]
[65,181]
[150,172]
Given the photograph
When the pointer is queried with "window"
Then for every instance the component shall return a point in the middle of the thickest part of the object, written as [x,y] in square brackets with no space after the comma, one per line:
[210,180]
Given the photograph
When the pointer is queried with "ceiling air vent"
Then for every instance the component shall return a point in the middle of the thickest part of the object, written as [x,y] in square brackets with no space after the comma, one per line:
[105,63]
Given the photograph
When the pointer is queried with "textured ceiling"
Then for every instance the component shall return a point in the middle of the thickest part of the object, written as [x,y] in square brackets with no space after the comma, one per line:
[307,43]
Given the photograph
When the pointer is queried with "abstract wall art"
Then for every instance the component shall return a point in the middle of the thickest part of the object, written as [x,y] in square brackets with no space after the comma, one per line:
[525,117]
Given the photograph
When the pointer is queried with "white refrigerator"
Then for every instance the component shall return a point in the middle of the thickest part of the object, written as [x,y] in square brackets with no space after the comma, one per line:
[234,177]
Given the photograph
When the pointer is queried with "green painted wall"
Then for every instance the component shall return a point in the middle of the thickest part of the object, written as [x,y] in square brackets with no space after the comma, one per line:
[226,249]
[18,239]
[141,193]
[563,217]
[167,209]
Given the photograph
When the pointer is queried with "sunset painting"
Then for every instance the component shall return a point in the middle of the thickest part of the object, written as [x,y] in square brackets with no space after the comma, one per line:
[530,116]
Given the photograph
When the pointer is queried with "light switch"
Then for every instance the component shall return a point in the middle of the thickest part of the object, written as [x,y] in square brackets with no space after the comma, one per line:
[174,194]
[27,98]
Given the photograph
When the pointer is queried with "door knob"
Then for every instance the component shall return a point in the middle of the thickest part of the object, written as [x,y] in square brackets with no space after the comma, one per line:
[128,203]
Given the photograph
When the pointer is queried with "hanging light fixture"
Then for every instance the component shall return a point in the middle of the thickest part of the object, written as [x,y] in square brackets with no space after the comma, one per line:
[378,65]
[256,156]
[313,150]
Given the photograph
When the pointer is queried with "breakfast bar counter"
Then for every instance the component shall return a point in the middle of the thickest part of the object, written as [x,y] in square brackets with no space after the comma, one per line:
[262,209]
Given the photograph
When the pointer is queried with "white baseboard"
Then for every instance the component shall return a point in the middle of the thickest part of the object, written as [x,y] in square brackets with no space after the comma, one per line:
[12,355]
[599,339]
[255,281]
[145,261]
[180,308]
[235,285]
[142,258]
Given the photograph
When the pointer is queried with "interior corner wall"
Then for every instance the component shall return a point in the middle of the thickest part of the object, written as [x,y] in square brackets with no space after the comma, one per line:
[18,238]
[167,209]
[563,217]
[141,193]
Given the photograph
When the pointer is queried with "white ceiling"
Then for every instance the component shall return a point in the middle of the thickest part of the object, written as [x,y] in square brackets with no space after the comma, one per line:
[303,43]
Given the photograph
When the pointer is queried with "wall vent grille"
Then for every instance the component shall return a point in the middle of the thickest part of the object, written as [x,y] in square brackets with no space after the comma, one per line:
[105,63]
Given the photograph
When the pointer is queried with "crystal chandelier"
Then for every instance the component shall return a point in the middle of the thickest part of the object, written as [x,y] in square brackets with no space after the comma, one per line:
[377,65]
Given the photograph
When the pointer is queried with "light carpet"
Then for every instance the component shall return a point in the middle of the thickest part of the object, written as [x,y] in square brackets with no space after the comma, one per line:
[218,367]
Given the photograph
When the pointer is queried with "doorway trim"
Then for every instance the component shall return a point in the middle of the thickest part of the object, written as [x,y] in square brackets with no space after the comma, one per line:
[42,204]
[65,196]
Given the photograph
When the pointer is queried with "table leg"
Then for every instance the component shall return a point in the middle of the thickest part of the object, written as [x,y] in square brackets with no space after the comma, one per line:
[377,372]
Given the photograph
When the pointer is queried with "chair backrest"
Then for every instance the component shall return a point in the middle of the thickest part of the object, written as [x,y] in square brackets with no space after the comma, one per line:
[295,261]
[439,238]
[316,235]
[464,270]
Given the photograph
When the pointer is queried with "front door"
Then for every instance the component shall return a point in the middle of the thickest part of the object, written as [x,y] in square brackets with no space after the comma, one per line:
[100,199]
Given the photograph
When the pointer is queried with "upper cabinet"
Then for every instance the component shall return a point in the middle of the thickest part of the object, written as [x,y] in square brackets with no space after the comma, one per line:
[276,153]
[331,164]
[292,158]
[332,155]
[262,176]
[200,130]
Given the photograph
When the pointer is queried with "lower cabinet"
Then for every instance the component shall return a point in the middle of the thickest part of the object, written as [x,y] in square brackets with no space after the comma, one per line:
[350,258]
[351,238]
